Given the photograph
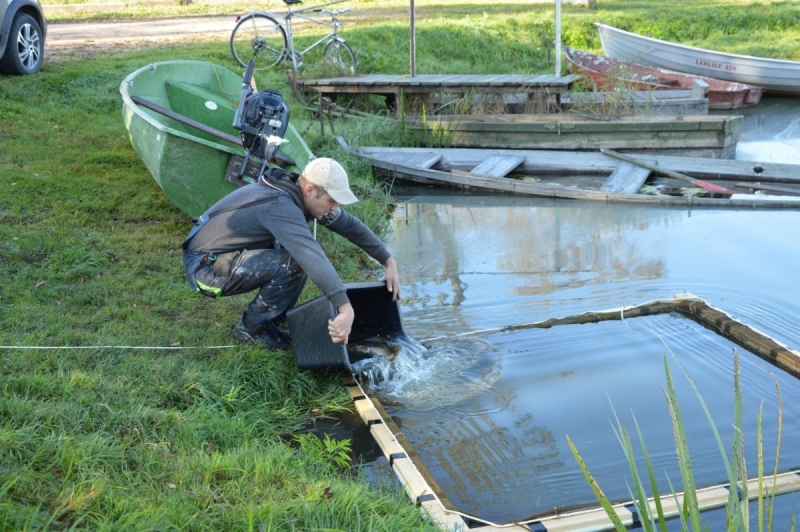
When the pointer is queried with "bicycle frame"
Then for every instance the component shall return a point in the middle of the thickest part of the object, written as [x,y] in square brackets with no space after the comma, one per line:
[287,20]
[326,4]
[276,38]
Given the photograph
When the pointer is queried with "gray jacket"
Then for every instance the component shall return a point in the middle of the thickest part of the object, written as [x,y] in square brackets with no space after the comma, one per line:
[282,219]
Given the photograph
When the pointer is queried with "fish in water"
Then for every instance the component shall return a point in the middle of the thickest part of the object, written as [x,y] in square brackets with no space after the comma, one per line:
[373,347]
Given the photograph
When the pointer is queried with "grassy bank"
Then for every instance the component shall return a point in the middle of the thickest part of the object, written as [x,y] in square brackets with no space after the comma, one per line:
[175,432]
[170,433]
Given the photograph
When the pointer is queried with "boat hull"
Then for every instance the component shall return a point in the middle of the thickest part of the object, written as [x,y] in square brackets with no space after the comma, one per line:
[607,71]
[536,173]
[190,165]
[775,75]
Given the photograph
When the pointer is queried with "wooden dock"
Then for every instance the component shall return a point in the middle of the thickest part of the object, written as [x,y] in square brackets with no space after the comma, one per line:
[693,136]
[545,90]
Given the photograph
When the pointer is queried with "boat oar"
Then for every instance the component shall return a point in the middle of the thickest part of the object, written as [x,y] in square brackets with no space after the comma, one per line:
[185,120]
[654,167]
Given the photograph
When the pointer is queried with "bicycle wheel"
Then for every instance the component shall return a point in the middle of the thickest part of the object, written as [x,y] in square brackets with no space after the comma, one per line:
[338,54]
[259,37]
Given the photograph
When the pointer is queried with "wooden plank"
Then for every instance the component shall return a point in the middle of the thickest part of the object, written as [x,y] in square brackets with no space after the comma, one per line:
[423,160]
[506,78]
[671,173]
[770,188]
[469,180]
[485,80]
[716,135]
[494,79]
[699,89]
[627,178]
[593,162]
[498,165]
[417,160]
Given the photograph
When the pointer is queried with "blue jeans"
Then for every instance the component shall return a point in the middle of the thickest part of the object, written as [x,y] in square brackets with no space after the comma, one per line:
[276,275]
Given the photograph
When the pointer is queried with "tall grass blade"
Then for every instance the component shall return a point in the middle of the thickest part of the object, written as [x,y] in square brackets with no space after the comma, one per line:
[732,467]
[661,519]
[598,493]
[691,506]
[760,471]
[771,504]
[640,499]
[741,515]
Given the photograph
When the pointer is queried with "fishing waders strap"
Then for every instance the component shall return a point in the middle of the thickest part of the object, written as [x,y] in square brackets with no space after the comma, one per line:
[209,291]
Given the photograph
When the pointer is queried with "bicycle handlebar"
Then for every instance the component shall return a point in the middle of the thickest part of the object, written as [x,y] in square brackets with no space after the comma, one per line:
[316,7]
[333,13]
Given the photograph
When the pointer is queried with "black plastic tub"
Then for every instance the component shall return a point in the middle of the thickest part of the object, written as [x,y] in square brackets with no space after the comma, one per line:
[376,315]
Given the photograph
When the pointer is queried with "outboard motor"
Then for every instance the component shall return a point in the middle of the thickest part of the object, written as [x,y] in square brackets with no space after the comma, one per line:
[262,117]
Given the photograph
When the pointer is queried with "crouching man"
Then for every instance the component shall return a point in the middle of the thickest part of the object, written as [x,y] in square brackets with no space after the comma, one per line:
[258,238]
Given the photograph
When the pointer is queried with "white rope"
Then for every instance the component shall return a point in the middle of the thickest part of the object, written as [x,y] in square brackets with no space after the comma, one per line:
[115,347]
[533,324]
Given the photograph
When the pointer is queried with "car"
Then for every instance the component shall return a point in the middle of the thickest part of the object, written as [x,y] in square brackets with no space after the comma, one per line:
[23,29]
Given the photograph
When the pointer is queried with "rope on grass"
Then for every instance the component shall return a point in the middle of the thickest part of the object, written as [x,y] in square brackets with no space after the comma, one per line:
[166,348]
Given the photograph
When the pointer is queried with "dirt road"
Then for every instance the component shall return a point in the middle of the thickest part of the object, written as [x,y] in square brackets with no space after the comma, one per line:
[70,34]
[76,40]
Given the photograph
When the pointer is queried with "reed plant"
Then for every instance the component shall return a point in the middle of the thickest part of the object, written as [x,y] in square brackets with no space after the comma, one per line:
[648,504]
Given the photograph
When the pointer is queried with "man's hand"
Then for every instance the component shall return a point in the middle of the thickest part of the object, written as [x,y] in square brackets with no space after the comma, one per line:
[392,278]
[339,327]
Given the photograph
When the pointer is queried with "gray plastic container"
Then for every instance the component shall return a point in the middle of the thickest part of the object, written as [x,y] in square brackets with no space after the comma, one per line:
[376,314]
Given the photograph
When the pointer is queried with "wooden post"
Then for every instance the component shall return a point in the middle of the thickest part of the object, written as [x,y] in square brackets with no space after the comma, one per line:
[699,89]
[558,37]
[321,116]
[412,40]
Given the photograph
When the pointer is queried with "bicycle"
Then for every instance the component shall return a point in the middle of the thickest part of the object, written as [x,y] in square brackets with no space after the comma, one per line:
[267,39]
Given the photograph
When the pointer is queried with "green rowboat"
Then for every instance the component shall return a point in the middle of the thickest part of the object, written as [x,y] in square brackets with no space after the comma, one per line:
[179,116]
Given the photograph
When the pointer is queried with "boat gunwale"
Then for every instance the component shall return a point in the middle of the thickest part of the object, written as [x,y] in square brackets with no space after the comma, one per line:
[732,86]
[465,179]
[704,50]
[151,116]
[722,94]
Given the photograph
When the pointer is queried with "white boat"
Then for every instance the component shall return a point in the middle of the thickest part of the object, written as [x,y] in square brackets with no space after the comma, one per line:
[775,75]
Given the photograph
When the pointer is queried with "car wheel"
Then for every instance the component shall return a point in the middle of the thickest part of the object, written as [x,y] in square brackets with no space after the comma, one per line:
[25,48]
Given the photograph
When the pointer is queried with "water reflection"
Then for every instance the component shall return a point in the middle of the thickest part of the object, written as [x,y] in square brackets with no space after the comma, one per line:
[561,246]
[490,420]
[473,262]
[504,460]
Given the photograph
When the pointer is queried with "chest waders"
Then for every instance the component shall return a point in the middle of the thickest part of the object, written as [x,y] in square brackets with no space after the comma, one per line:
[208,258]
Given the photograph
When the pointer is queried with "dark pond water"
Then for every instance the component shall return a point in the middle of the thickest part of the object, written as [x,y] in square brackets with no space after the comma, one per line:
[489,413]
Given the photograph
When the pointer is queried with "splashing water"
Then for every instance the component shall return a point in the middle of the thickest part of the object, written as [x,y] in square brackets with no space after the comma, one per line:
[425,376]
[407,353]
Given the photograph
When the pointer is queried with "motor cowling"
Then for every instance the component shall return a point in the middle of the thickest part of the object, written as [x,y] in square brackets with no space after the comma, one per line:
[264,114]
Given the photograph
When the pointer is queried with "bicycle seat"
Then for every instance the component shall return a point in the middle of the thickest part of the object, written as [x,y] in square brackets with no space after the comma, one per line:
[290,2]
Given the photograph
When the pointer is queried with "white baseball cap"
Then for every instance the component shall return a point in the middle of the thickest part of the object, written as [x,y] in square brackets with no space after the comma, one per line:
[330,175]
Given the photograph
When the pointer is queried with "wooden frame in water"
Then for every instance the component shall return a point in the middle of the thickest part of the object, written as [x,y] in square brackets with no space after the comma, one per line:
[423,488]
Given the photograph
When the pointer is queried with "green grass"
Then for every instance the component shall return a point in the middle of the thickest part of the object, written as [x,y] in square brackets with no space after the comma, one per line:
[172,433]
[513,36]
[179,433]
